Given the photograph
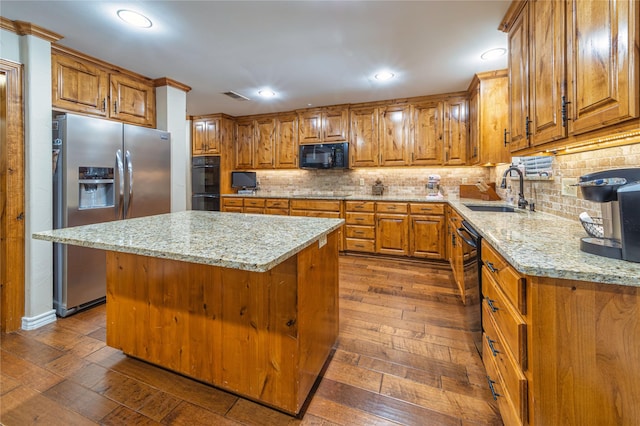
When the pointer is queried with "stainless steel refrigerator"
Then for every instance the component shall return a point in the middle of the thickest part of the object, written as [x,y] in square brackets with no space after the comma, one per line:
[103,171]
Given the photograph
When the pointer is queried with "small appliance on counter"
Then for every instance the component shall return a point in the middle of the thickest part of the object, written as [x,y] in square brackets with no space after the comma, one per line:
[617,233]
[377,188]
[433,187]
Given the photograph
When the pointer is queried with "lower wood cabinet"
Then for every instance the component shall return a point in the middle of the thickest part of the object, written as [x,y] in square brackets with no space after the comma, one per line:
[560,351]
[392,234]
[360,230]
[427,232]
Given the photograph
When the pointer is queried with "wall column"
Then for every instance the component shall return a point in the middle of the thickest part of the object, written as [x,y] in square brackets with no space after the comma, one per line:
[171,109]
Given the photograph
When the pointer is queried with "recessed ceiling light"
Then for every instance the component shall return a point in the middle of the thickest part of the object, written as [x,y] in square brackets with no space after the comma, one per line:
[266,93]
[134,18]
[493,53]
[384,76]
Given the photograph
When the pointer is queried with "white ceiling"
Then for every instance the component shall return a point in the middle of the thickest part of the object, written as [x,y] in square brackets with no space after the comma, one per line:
[309,52]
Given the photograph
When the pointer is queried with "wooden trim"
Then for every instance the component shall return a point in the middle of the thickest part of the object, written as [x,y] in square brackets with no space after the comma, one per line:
[12,199]
[63,50]
[514,10]
[165,81]
[27,28]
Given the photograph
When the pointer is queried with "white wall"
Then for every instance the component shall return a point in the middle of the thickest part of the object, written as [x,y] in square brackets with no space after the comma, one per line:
[171,107]
[35,54]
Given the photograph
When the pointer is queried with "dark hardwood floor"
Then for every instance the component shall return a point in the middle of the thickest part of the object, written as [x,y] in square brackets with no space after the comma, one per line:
[404,356]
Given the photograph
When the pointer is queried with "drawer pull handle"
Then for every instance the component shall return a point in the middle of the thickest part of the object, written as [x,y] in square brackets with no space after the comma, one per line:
[359,218]
[359,232]
[359,245]
[490,303]
[494,351]
[491,267]
[493,390]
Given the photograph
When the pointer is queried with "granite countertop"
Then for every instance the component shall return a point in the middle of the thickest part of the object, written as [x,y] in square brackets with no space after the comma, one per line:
[250,242]
[544,245]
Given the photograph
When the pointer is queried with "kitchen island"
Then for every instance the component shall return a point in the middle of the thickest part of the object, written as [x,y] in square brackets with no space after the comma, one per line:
[247,303]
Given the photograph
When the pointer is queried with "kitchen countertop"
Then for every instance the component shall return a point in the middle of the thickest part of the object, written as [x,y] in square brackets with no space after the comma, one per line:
[535,243]
[227,240]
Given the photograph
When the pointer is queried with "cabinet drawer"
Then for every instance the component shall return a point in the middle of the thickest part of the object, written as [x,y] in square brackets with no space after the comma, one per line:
[277,203]
[254,202]
[510,392]
[360,218]
[497,339]
[426,208]
[254,210]
[327,205]
[508,321]
[507,278]
[281,212]
[231,209]
[315,213]
[366,232]
[236,202]
[354,244]
[360,206]
[391,207]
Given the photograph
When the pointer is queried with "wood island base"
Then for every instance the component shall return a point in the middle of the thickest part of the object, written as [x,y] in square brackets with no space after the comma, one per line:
[261,335]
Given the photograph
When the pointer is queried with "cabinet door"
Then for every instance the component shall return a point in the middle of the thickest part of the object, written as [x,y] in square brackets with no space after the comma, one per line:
[364,137]
[603,38]
[264,140]
[310,126]
[212,142]
[244,144]
[335,124]
[494,119]
[287,142]
[455,134]
[198,137]
[392,232]
[428,237]
[79,86]
[473,150]
[394,135]
[547,71]
[132,101]
[427,134]
[518,136]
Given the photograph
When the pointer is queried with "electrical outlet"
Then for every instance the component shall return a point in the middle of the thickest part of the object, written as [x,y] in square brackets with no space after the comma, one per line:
[567,189]
[361,181]
[464,180]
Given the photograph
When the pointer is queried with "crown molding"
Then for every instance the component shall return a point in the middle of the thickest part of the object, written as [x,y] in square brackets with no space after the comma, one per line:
[165,81]
[27,28]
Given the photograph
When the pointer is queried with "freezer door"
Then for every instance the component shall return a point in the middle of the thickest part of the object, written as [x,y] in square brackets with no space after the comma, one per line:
[86,190]
[147,154]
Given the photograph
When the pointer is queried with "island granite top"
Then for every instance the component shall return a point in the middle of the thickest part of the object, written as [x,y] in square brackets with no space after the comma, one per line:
[250,242]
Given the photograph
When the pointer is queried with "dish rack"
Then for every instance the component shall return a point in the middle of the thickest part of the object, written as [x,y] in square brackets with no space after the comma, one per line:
[593,226]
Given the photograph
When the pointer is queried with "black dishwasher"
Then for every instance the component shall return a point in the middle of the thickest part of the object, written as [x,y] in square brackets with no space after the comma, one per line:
[473,280]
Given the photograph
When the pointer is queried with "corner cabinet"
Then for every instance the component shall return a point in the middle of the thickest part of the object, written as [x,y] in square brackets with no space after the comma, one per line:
[82,86]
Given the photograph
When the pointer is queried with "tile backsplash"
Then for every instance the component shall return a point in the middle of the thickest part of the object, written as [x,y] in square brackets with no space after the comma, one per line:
[410,180]
[548,194]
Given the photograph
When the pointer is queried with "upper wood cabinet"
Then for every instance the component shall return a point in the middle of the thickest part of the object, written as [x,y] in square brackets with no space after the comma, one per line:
[393,134]
[286,149]
[318,125]
[603,39]
[264,143]
[267,142]
[573,68]
[364,137]
[488,118]
[455,132]
[428,133]
[244,144]
[205,137]
[79,85]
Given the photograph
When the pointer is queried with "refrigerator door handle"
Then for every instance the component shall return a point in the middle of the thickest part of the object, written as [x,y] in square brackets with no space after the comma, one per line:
[120,168]
[130,172]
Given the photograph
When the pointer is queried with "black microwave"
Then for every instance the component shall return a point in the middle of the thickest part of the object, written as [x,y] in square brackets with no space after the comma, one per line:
[324,156]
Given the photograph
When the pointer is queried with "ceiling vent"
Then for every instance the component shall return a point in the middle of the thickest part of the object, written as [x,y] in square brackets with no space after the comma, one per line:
[236,96]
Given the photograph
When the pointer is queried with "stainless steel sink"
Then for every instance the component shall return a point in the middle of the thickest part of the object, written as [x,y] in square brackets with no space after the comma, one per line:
[485,208]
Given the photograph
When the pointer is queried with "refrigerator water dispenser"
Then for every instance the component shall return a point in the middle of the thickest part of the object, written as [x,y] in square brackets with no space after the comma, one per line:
[96,187]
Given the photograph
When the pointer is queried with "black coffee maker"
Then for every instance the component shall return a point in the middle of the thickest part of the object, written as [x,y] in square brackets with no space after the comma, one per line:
[619,192]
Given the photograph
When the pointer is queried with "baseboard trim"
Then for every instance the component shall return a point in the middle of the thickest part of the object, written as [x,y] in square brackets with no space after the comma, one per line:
[31,323]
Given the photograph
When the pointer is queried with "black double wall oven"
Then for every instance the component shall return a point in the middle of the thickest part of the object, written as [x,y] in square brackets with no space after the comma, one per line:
[205,183]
